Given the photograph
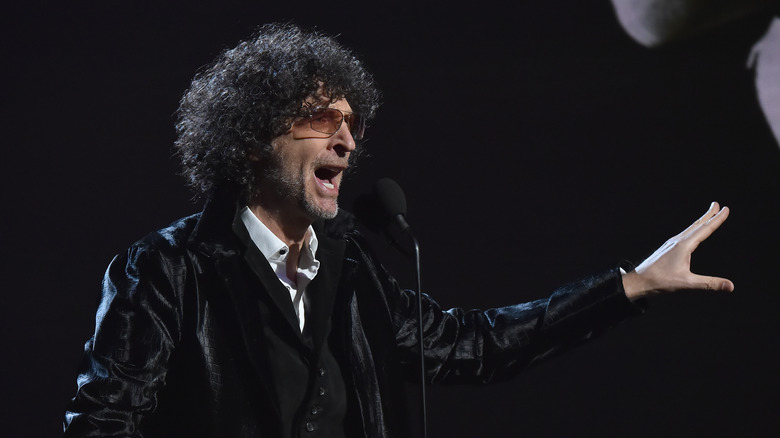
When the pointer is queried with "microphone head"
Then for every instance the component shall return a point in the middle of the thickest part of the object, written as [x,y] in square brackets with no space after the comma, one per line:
[379,208]
[390,197]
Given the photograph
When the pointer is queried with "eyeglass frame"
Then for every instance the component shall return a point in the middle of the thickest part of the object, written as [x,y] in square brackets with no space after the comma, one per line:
[357,130]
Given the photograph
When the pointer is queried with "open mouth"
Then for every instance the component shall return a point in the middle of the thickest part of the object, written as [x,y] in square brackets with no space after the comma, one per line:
[327,176]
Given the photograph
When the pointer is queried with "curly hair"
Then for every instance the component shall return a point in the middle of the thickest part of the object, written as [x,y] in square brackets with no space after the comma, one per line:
[250,94]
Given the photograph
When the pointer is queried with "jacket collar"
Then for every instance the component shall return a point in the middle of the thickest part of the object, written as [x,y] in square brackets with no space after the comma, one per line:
[213,235]
[214,232]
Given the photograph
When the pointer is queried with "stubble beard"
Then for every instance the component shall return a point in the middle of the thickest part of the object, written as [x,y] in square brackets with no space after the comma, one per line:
[291,186]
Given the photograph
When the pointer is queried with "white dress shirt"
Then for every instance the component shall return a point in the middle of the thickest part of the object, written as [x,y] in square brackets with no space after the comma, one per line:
[276,252]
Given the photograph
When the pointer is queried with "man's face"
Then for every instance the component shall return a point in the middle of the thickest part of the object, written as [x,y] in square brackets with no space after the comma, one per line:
[305,168]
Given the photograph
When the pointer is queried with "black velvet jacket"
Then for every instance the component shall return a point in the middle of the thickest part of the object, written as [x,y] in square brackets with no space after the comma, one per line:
[177,352]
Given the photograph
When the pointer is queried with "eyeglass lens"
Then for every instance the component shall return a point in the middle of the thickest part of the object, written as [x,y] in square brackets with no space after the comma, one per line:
[328,121]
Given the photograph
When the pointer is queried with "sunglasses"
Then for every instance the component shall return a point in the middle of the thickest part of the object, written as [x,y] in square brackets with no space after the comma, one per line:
[328,121]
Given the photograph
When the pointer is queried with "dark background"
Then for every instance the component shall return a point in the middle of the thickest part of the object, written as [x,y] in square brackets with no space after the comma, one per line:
[536,144]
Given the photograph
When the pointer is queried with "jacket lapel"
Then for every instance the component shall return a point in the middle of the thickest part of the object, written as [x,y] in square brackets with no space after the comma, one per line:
[215,238]
[270,282]
[321,292]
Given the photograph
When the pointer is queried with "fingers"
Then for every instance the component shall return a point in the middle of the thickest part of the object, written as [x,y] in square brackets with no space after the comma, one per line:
[698,223]
[707,228]
[714,207]
[704,226]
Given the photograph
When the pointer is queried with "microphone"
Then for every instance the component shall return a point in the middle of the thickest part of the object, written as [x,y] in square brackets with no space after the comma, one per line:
[388,205]
[383,207]
[392,201]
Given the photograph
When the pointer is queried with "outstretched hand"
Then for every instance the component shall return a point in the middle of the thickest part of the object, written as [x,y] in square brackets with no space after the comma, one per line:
[668,269]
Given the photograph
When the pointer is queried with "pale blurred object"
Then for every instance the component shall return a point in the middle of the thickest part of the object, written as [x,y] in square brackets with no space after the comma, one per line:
[765,61]
[654,23]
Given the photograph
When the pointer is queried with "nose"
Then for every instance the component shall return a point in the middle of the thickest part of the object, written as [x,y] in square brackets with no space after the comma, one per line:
[343,141]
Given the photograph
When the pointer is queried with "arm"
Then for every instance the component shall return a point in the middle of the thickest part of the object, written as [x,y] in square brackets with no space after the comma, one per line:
[483,346]
[668,269]
[125,362]
[478,346]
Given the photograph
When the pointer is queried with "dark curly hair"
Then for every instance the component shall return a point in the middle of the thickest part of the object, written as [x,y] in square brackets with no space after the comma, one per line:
[251,93]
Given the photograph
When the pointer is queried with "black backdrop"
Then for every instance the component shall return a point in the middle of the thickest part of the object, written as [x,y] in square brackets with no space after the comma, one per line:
[536,143]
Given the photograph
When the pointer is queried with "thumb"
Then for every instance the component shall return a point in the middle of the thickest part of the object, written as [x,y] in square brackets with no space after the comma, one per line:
[704,282]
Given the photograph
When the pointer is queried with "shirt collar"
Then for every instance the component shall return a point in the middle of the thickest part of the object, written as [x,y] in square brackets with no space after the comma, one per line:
[271,246]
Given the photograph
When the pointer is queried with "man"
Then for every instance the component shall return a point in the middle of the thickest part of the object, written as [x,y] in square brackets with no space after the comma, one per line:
[266,315]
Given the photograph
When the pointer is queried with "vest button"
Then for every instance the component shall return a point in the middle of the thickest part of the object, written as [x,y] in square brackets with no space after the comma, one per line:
[315,410]
[322,372]
[311,426]
[322,391]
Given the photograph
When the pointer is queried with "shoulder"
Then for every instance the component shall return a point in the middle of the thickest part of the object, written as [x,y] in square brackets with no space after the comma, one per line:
[171,238]
[159,249]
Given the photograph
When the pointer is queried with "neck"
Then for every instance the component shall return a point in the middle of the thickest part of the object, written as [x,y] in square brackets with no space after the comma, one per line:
[289,229]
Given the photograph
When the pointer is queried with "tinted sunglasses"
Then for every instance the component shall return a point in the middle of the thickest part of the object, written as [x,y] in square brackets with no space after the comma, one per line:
[328,121]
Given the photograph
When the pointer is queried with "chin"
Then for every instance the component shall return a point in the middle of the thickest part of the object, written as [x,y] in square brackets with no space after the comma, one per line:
[320,212]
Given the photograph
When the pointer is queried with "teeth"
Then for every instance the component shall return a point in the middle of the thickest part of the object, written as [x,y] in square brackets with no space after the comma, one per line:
[328,185]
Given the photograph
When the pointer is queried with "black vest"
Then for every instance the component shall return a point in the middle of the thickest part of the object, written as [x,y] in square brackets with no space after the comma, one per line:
[304,373]
[307,380]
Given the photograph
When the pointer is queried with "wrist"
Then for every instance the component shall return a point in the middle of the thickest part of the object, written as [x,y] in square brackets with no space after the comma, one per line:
[634,285]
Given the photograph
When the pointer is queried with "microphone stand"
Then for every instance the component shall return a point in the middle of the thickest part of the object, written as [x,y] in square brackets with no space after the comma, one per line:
[391,201]
[420,332]
[420,338]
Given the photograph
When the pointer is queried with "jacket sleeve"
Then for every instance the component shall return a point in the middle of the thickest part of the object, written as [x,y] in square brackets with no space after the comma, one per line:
[126,360]
[479,346]
[482,346]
